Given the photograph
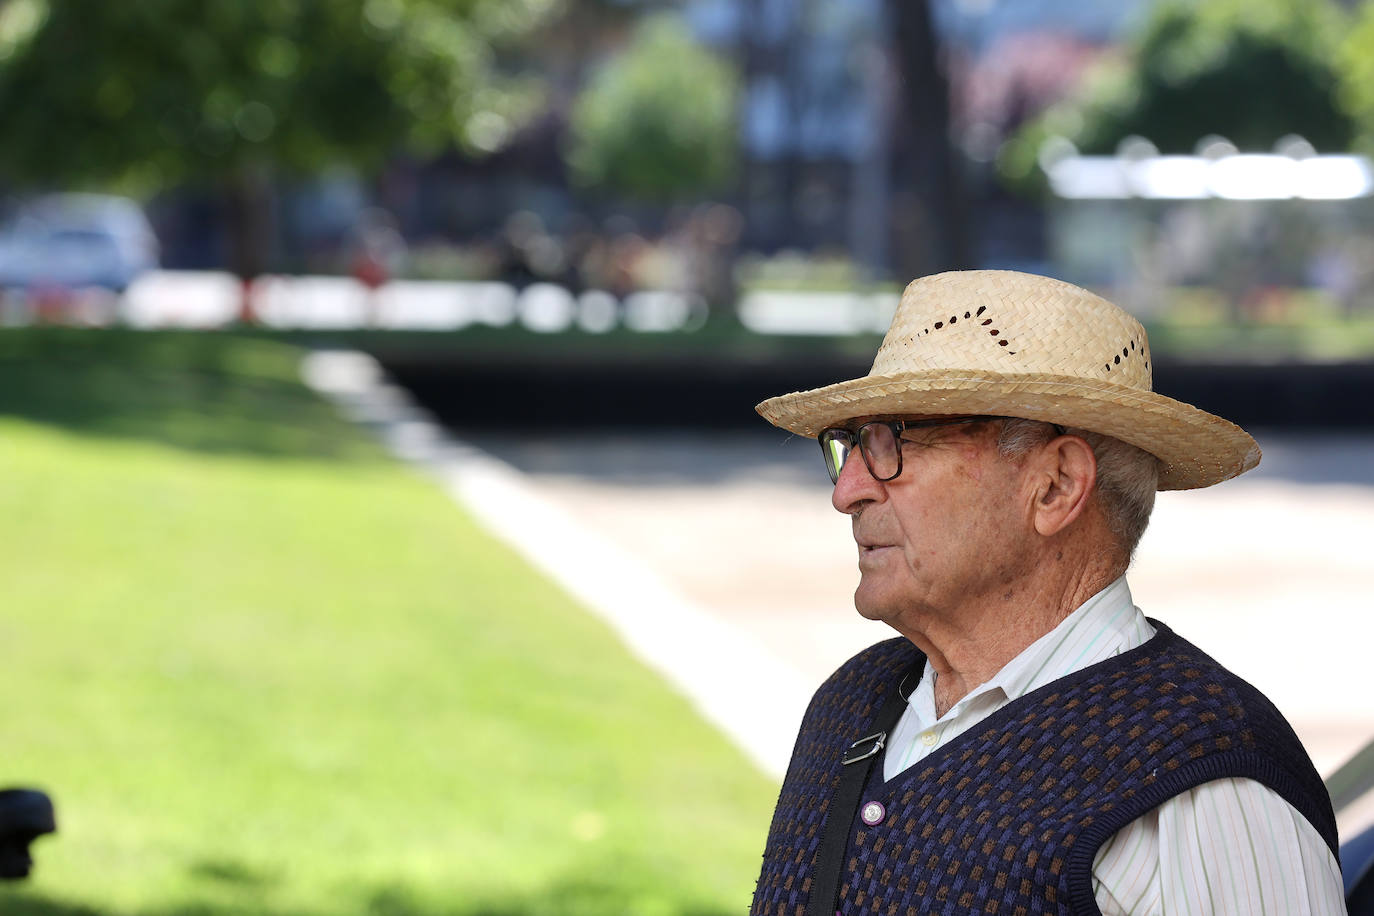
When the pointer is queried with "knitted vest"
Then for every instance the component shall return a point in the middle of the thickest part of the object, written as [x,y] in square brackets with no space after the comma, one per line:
[1008,816]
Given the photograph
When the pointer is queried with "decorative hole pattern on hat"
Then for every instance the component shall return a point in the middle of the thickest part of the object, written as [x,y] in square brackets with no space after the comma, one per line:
[944,324]
[1127,352]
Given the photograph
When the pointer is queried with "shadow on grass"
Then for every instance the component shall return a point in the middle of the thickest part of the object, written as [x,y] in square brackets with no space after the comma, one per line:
[17,902]
[205,392]
[230,872]
[605,884]
[581,896]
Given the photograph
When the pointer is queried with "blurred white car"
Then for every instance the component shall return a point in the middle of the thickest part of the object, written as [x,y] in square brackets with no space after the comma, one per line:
[72,241]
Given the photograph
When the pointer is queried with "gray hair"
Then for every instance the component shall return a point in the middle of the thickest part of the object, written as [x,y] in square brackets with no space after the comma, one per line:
[1127,476]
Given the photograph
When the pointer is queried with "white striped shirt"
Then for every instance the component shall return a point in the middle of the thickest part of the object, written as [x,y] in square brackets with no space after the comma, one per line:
[1231,846]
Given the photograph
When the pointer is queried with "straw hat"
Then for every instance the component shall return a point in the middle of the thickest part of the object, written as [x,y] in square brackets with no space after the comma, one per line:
[1012,344]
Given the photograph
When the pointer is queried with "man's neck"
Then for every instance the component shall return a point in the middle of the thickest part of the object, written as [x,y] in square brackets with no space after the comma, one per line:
[966,646]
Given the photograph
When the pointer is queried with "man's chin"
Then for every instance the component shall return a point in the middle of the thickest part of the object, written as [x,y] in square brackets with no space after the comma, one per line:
[869,606]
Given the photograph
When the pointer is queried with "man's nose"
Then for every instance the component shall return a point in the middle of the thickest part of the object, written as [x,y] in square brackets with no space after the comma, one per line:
[855,487]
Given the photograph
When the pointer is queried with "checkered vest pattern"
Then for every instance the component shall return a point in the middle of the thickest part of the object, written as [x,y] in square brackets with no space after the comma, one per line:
[1008,816]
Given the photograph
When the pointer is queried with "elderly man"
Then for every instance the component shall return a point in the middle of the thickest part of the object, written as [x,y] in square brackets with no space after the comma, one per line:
[1031,743]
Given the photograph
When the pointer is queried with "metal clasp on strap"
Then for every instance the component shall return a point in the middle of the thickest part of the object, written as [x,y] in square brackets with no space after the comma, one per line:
[865,747]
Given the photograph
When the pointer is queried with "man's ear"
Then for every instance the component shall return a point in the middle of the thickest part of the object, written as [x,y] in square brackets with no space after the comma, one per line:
[1065,474]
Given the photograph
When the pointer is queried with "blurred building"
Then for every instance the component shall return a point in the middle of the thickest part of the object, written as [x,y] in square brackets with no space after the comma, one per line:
[831,159]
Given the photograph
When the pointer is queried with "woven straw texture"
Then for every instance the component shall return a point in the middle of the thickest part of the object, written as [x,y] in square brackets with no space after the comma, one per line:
[1013,344]
[1008,816]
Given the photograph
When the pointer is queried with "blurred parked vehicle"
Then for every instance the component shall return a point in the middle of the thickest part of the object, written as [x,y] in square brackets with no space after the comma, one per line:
[73,241]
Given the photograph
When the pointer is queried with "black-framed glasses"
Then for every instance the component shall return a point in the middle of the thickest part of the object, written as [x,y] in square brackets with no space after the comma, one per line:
[880,443]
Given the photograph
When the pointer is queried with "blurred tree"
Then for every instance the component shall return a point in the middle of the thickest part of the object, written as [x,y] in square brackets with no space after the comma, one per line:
[658,121]
[1357,75]
[158,93]
[1252,71]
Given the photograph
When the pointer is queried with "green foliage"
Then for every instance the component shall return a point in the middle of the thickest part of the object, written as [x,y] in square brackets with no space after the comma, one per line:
[150,94]
[1357,75]
[658,121]
[1252,71]
[264,670]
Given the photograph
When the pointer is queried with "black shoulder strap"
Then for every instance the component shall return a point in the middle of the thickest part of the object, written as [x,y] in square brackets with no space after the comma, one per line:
[858,764]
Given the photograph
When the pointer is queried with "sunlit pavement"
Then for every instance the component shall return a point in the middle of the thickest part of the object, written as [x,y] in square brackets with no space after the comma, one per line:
[1270,573]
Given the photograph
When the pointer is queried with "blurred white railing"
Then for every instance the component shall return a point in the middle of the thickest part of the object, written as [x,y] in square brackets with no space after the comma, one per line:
[209,299]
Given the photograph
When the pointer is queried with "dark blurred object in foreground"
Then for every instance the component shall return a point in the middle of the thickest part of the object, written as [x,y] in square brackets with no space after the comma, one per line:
[25,815]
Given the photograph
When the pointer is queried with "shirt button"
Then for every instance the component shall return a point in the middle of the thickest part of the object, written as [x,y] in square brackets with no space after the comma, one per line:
[929,739]
[873,813]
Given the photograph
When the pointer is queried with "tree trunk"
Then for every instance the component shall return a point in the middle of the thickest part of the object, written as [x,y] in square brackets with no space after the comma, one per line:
[934,235]
[248,198]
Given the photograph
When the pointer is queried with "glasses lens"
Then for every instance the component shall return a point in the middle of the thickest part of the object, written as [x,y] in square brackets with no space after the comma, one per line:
[835,443]
[879,445]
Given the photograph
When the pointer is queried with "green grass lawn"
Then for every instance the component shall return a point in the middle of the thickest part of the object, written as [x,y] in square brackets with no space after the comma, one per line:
[264,669]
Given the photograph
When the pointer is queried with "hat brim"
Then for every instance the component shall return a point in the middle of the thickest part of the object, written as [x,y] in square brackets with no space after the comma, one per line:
[1195,448]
